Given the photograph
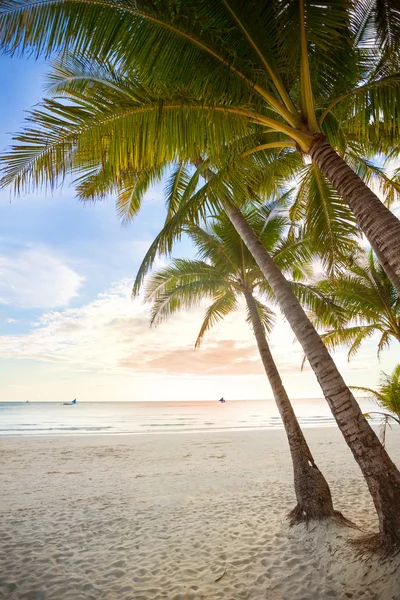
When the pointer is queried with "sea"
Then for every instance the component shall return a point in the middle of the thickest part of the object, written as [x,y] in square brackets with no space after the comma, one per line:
[86,418]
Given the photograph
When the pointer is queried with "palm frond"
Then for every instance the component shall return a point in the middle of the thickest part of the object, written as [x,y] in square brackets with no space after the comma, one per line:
[267,316]
[130,128]
[190,211]
[132,191]
[363,102]
[328,222]
[176,186]
[218,310]
[369,391]
[387,395]
[374,175]
[348,336]
[322,309]
[165,39]
[181,285]
[294,256]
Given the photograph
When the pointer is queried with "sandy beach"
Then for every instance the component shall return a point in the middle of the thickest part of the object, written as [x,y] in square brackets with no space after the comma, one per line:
[183,517]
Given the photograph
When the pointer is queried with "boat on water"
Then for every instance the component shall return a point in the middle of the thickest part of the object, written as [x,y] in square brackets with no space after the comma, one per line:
[70,403]
[222,400]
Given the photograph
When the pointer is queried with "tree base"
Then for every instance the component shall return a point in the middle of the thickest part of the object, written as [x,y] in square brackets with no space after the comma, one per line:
[376,544]
[300,514]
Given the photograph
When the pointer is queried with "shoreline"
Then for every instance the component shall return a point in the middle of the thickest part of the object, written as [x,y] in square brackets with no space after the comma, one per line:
[158,432]
[184,517]
[123,418]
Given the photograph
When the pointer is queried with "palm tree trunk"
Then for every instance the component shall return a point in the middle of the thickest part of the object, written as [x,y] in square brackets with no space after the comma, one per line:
[314,500]
[382,477]
[387,268]
[377,222]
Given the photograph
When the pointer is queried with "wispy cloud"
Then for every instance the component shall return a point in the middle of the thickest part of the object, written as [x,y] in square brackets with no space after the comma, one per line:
[34,277]
[223,357]
[112,334]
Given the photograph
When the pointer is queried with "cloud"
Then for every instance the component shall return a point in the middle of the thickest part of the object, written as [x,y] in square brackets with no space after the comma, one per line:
[224,357]
[111,334]
[35,277]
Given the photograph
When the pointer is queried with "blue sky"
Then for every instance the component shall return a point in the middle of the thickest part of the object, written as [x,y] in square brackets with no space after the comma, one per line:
[68,326]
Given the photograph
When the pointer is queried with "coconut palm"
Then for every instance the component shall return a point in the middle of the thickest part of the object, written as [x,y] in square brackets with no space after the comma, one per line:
[387,396]
[368,305]
[91,98]
[362,440]
[224,272]
[161,120]
[267,69]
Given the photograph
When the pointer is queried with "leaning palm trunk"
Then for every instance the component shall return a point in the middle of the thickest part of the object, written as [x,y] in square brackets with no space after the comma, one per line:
[381,475]
[314,500]
[387,268]
[377,222]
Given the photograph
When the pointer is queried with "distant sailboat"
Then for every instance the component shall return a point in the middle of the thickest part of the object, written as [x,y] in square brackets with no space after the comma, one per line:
[221,399]
[69,403]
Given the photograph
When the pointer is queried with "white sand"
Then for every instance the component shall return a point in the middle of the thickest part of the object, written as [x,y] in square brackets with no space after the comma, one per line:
[188,517]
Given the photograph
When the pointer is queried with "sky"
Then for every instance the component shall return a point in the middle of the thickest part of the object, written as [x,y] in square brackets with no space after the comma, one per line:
[69,326]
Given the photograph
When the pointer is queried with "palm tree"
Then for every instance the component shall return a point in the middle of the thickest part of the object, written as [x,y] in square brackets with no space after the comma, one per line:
[387,397]
[271,68]
[112,132]
[367,450]
[367,303]
[225,272]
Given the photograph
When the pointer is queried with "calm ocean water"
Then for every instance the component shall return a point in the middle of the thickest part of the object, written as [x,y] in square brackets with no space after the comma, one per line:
[50,418]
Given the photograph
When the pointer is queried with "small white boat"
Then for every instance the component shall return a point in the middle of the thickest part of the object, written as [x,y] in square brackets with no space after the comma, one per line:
[69,403]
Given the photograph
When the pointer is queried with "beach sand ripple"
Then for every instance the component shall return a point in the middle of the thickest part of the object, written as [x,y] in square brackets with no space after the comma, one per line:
[179,517]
